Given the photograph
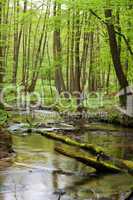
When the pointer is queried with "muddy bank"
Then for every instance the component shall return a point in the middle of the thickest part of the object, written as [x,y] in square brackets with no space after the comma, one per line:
[5,144]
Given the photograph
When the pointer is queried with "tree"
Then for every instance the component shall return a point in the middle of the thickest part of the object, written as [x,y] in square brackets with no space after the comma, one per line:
[115,52]
[57,54]
[2,44]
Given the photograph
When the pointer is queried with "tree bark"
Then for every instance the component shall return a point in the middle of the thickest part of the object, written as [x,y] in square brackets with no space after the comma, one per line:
[17,40]
[101,167]
[72,76]
[85,51]
[123,82]
[77,53]
[57,51]
[39,56]
[2,66]
[68,52]
[91,60]
[108,79]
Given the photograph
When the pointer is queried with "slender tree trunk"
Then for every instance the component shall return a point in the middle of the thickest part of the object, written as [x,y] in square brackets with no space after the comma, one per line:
[59,81]
[68,52]
[8,28]
[119,30]
[91,59]
[72,77]
[40,51]
[25,38]
[116,55]
[84,57]
[28,59]
[77,53]
[2,66]
[17,40]
[108,79]
[49,73]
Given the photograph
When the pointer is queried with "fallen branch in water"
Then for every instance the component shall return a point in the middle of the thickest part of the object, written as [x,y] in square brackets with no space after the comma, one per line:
[114,166]
[93,149]
[100,166]
[120,164]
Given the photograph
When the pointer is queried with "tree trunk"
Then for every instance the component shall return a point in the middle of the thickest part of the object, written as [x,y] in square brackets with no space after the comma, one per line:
[116,55]
[2,66]
[59,81]
[72,77]
[68,52]
[91,60]
[85,50]
[40,51]
[25,37]
[77,53]
[101,167]
[17,40]
[108,79]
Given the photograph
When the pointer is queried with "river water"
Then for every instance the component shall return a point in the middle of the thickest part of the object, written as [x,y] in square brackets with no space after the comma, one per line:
[39,173]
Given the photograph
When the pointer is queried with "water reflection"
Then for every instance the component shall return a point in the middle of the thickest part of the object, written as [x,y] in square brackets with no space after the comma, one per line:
[39,171]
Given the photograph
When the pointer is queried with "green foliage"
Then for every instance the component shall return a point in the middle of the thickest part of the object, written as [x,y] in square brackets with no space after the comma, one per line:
[31,20]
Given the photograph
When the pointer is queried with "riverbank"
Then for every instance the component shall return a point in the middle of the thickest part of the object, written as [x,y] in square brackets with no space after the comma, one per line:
[110,116]
[5,144]
[5,137]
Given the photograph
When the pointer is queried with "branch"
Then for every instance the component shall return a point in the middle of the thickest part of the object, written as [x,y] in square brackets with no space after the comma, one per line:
[126,41]
[118,33]
[98,17]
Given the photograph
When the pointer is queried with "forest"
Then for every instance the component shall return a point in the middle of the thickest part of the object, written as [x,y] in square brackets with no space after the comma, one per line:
[66,99]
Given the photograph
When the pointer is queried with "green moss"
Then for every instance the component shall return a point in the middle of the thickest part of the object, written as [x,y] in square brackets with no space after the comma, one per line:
[3,116]
[87,160]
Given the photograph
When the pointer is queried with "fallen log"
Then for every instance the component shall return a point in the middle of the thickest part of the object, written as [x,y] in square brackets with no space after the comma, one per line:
[115,166]
[93,149]
[100,166]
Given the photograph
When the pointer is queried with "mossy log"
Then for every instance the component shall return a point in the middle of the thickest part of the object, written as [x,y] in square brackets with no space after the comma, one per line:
[93,149]
[116,166]
[123,165]
[100,166]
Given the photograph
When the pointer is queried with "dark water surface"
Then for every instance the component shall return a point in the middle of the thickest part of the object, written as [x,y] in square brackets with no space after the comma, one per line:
[38,172]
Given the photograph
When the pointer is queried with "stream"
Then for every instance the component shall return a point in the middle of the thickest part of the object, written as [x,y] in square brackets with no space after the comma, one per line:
[39,173]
